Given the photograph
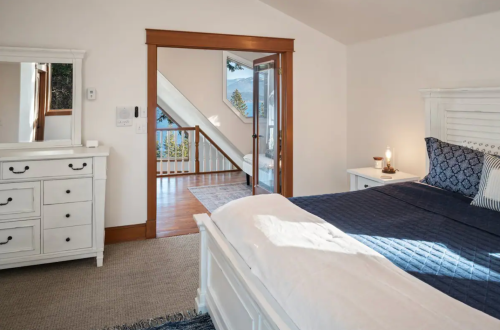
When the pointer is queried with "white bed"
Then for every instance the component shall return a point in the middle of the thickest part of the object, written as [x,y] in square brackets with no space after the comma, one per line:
[244,290]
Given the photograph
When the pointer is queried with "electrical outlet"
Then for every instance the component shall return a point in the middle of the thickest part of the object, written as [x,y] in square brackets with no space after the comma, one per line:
[141,126]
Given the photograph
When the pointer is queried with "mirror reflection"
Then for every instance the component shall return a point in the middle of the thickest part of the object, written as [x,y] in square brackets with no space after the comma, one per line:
[36,101]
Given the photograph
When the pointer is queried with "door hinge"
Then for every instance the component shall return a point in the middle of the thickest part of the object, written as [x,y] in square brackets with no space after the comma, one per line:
[280,71]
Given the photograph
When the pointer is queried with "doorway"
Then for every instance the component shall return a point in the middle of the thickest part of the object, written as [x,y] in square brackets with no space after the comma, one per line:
[273,135]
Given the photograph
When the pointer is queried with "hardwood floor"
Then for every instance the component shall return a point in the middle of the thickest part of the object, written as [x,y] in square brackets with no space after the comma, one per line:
[176,205]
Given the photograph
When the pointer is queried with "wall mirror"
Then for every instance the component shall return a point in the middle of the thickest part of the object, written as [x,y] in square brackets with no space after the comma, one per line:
[40,97]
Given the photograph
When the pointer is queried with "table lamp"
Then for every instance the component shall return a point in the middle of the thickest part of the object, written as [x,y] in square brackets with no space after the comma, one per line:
[388,168]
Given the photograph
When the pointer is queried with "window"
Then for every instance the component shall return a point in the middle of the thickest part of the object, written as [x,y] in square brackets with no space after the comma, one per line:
[60,91]
[163,120]
[238,86]
[172,142]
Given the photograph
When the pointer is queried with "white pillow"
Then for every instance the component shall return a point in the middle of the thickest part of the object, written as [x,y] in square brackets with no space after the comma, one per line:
[487,148]
[489,187]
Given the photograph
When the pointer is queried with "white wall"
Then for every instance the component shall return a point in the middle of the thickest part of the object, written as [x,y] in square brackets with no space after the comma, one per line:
[384,76]
[113,34]
[197,74]
[10,74]
[57,128]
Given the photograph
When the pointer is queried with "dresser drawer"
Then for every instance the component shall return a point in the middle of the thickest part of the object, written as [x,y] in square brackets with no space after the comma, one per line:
[68,238]
[67,191]
[19,200]
[66,215]
[46,168]
[19,238]
[365,183]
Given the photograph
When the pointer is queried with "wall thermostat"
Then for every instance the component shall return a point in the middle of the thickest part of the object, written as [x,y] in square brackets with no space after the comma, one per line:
[124,116]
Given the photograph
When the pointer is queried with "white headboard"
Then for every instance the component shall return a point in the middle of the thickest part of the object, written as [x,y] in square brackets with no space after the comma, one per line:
[455,115]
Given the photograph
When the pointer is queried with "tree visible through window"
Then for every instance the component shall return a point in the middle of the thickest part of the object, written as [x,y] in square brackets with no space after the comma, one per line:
[61,86]
[172,145]
[239,87]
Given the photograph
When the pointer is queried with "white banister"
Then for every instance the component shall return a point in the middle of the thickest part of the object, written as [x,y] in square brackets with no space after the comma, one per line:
[161,153]
[181,142]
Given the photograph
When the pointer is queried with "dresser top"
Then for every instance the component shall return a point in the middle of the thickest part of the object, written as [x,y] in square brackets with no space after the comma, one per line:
[52,153]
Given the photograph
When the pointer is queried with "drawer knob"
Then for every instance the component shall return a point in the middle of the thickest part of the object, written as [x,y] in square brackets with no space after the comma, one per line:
[68,215]
[7,241]
[68,239]
[25,169]
[77,169]
[366,186]
[8,201]
[68,191]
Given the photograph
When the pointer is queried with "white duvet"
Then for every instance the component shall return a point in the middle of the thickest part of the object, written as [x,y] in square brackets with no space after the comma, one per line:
[326,280]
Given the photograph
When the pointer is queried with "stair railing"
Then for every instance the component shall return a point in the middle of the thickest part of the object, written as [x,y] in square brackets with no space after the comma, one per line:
[188,150]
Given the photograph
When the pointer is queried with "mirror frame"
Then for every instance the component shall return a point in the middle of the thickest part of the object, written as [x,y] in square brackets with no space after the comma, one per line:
[41,55]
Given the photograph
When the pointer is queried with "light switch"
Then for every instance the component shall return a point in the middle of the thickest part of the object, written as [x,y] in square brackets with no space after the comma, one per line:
[143,112]
[141,125]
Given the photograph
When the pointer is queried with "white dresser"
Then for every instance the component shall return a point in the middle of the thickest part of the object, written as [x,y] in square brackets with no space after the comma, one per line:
[52,205]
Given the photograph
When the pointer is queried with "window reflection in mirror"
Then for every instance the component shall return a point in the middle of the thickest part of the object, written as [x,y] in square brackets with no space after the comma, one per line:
[36,101]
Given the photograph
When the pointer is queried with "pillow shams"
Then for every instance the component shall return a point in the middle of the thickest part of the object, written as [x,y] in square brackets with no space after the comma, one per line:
[486,148]
[454,168]
[489,188]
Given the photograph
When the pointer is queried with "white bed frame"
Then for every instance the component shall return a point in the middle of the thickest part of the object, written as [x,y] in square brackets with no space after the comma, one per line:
[237,300]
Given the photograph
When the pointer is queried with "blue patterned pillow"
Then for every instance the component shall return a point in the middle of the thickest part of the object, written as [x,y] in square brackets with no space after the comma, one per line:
[453,167]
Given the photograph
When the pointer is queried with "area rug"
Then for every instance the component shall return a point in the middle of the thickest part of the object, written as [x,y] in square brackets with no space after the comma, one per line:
[212,197]
[180,321]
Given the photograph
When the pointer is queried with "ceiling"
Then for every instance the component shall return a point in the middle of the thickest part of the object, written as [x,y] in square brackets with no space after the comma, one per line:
[351,21]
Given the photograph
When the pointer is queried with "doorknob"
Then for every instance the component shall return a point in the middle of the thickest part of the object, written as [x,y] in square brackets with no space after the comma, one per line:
[254,136]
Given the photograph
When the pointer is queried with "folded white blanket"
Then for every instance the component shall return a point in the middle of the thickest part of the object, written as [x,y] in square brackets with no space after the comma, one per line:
[325,279]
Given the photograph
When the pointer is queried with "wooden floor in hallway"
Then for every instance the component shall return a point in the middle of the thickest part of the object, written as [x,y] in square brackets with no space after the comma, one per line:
[176,204]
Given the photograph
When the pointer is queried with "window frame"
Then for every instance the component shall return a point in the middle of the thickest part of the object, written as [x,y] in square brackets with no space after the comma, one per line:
[54,112]
[244,62]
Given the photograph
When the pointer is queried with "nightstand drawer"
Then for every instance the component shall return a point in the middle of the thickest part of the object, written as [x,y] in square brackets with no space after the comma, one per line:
[365,183]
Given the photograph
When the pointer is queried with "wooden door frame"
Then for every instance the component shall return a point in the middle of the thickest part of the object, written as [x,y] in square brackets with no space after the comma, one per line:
[214,41]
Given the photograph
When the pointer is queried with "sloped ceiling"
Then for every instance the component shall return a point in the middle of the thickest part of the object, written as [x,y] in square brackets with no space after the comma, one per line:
[351,21]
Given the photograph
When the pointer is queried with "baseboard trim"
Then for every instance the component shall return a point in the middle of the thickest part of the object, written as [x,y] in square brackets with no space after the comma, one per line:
[125,233]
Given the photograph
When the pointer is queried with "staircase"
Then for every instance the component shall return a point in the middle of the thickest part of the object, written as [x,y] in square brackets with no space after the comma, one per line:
[209,150]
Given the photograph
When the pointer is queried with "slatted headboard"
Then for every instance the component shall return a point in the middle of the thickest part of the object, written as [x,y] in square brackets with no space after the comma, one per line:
[455,115]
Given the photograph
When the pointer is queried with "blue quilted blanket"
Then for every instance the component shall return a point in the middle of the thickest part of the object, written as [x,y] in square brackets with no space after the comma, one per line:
[434,235]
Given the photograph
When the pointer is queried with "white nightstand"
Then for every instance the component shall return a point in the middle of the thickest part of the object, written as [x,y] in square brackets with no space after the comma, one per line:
[363,178]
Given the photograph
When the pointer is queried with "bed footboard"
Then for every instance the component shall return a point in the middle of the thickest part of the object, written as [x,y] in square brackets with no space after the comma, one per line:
[229,292]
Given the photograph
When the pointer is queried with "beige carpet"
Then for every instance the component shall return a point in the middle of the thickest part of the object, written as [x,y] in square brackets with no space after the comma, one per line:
[139,280]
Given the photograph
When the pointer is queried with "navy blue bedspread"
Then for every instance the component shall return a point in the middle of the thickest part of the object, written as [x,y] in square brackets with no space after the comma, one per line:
[434,235]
